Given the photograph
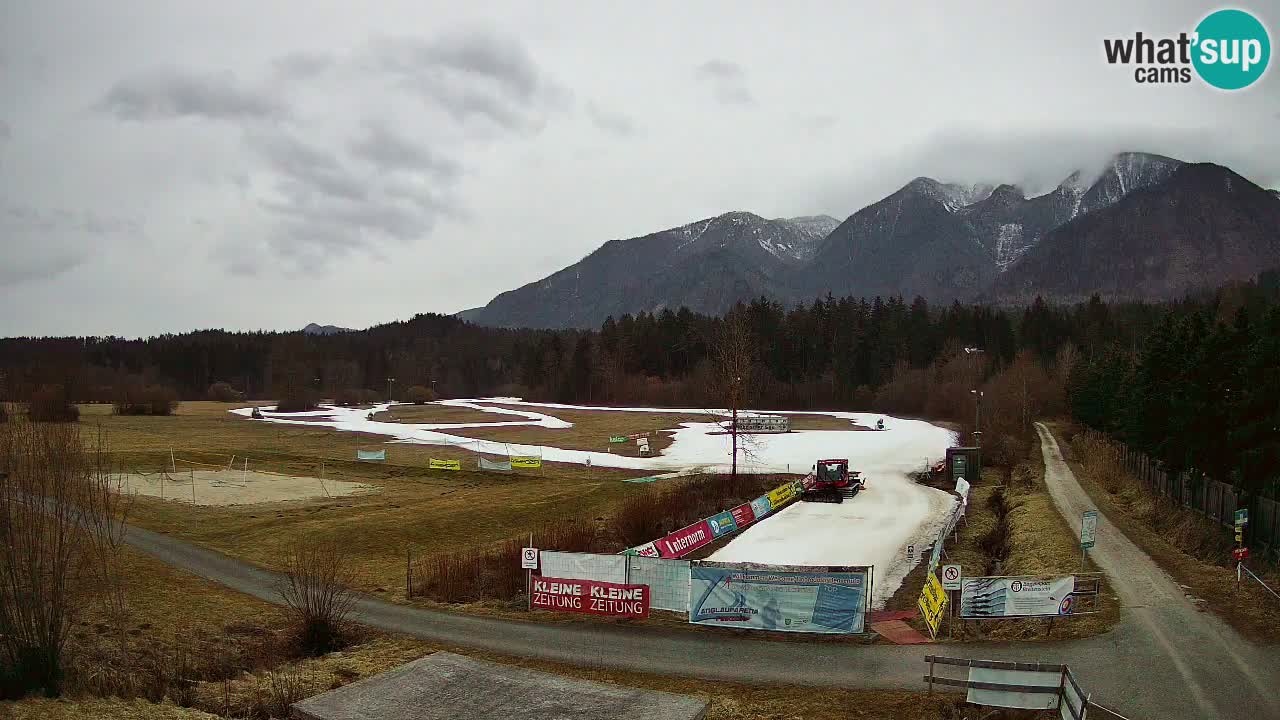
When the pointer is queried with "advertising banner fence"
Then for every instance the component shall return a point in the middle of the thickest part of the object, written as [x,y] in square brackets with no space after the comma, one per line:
[1010,597]
[435,464]
[685,540]
[371,454]
[617,438]
[590,597]
[781,495]
[722,524]
[526,461]
[783,598]
[743,515]
[760,507]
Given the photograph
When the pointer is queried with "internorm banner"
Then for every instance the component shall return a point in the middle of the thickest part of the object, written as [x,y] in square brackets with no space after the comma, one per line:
[787,599]
[685,540]
[1007,597]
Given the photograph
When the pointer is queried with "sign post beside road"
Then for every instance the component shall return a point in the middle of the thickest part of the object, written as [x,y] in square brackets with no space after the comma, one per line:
[1088,533]
[529,563]
[1241,552]
[951,576]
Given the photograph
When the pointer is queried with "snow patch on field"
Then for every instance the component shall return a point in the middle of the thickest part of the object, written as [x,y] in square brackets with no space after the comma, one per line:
[872,529]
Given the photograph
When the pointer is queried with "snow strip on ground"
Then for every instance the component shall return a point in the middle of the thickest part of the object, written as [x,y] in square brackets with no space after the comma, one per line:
[872,529]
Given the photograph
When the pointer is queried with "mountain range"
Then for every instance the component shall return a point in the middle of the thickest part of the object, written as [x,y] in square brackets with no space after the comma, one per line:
[1148,227]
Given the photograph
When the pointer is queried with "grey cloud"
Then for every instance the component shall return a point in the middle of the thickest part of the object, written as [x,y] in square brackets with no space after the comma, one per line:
[325,205]
[44,243]
[168,93]
[302,65]
[387,150]
[1037,160]
[610,122]
[473,74]
[727,80]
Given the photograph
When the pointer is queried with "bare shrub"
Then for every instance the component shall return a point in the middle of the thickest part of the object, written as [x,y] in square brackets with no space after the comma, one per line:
[224,392]
[136,398]
[285,687]
[298,399]
[316,589]
[50,404]
[419,395]
[356,396]
[61,526]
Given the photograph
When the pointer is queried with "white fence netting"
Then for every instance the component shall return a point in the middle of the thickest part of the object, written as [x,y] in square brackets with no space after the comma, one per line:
[584,566]
[668,581]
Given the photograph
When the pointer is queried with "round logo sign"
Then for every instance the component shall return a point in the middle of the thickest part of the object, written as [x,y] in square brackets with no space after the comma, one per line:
[530,554]
[1232,49]
[1064,607]
[1016,586]
[951,573]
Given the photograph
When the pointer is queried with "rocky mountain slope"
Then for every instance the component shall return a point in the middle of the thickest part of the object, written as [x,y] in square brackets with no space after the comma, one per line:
[1203,227]
[938,240]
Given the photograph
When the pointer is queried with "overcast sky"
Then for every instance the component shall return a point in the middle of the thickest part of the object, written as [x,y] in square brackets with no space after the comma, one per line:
[166,166]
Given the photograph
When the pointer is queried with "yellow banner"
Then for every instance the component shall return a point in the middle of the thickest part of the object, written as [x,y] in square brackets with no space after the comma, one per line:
[781,495]
[526,461]
[933,600]
[435,464]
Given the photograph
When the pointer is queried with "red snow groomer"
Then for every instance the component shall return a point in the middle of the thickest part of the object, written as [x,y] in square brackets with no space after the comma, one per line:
[831,481]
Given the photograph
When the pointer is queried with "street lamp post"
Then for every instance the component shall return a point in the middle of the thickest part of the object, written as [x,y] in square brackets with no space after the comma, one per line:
[977,418]
[389,381]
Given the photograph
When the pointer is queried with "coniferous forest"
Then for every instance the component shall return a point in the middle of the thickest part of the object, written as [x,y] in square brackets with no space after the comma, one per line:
[1195,383]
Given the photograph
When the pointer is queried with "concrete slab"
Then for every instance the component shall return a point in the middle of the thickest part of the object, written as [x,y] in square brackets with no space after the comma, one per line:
[444,686]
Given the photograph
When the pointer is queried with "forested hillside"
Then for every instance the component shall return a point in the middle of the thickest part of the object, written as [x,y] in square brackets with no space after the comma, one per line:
[1193,382]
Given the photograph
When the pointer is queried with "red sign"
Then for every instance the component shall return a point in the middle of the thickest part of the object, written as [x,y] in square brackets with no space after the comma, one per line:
[591,597]
[685,540]
[1240,553]
[742,515]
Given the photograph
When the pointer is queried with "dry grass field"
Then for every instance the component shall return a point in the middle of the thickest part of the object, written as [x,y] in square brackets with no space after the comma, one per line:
[415,508]
[592,428]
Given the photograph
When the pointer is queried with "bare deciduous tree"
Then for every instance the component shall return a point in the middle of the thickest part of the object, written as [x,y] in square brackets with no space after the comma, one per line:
[316,588]
[734,353]
[61,528]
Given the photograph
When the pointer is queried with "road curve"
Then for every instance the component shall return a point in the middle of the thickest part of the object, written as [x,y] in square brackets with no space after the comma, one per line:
[1130,669]
[1194,665]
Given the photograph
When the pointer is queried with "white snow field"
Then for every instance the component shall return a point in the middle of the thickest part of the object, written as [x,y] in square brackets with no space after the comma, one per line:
[873,528]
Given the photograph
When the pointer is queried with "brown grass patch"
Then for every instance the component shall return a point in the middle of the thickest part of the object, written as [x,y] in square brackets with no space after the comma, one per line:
[1012,527]
[439,414]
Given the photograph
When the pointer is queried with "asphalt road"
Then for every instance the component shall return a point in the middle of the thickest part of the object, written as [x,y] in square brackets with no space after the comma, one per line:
[1164,660]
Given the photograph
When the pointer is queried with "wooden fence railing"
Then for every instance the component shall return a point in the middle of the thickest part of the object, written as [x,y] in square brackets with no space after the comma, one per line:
[1216,500]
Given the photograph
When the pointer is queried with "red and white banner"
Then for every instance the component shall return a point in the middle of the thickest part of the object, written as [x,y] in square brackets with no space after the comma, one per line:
[591,597]
[743,515]
[685,540]
[647,550]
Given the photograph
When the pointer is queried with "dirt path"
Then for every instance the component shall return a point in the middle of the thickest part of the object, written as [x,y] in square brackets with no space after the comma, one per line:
[1194,664]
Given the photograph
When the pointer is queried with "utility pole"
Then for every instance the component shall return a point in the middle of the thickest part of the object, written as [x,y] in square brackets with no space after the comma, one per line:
[389,381]
[977,418]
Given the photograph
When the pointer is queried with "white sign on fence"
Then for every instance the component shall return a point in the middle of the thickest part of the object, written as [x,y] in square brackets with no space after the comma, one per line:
[1088,528]
[529,559]
[950,577]
[1005,597]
